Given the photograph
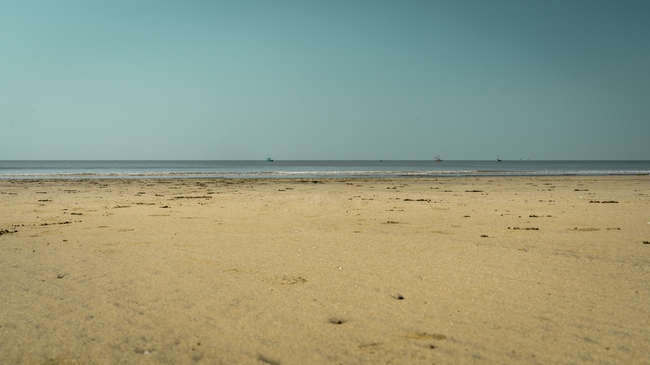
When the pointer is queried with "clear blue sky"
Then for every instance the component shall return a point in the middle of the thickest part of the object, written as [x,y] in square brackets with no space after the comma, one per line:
[159,79]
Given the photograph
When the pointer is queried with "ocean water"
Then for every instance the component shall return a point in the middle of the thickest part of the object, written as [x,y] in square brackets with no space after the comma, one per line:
[311,169]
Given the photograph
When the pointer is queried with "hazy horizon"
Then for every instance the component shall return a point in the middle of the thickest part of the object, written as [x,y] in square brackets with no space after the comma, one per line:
[323,160]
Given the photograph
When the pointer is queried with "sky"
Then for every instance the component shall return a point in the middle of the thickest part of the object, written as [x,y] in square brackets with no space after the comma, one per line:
[318,80]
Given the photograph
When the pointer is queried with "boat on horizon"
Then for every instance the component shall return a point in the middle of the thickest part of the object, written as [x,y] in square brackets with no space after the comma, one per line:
[497,159]
[269,159]
[438,159]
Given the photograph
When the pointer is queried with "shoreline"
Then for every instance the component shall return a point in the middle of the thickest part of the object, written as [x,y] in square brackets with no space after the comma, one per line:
[173,176]
[539,269]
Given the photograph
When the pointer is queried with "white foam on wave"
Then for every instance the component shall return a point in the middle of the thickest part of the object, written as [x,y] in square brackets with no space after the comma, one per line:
[307,174]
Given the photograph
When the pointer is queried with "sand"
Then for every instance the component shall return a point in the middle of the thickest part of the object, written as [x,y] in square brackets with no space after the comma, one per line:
[534,270]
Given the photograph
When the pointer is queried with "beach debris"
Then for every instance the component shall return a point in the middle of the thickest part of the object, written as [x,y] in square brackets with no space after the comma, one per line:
[142,351]
[391,222]
[335,320]
[525,228]
[586,229]
[418,200]
[267,360]
[604,202]
[425,336]
[7,231]
[369,345]
[473,191]
[51,224]
[484,236]
[646,242]
[193,197]
[290,280]
[398,296]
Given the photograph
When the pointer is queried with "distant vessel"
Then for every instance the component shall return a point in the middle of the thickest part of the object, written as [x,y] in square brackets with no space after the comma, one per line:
[438,159]
[497,159]
[269,159]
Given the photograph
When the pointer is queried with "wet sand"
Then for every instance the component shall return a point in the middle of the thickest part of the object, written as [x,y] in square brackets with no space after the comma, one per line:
[407,271]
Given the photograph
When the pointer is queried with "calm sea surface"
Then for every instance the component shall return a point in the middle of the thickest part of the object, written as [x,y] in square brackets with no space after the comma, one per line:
[311,169]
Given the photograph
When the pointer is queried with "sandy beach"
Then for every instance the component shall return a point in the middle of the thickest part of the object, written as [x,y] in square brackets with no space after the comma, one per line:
[536,270]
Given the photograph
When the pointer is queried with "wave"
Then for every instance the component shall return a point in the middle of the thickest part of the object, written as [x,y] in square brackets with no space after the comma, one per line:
[229,173]
[308,174]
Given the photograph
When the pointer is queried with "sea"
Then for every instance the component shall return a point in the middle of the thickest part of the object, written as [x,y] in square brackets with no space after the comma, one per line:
[27,170]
